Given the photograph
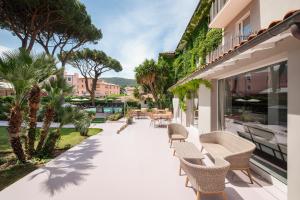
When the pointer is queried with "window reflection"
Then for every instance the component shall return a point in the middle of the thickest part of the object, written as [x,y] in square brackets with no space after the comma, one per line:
[255,108]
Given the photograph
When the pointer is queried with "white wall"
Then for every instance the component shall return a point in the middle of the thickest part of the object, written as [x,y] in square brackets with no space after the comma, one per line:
[293,125]
[261,14]
[204,120]
[182,117]
[189,112]
[271,10]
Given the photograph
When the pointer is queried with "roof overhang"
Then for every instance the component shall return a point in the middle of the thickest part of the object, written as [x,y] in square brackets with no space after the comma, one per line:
[170,54]
[261,42]
[193,23]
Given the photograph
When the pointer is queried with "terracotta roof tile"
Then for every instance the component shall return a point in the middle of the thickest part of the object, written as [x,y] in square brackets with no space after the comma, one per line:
[236,46]
[261,31]
[243,42]
[250,37]
[273,23]
[290,13]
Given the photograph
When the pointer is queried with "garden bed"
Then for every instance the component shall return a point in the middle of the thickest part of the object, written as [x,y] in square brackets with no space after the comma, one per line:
[11,170]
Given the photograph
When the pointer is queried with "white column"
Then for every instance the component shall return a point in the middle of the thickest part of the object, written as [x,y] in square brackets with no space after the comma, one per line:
[204,120]
[293,125]
[176,115]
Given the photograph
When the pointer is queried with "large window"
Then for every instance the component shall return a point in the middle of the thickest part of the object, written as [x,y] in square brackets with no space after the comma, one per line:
[254,106]
[244,28]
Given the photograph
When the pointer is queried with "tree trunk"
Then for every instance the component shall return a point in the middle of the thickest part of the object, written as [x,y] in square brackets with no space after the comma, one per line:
[48,118]
[14,126]
[93,98]
[48,149]
[33,103]
[93,90]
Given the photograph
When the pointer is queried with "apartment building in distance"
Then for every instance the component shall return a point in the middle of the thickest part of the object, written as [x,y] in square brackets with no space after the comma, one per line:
[103,88]
[255,84]
[129,91]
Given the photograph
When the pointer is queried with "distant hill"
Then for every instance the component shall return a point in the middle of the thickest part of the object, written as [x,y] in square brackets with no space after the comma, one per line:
[121,81]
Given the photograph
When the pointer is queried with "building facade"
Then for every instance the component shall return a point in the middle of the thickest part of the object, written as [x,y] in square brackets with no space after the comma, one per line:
[129,91]
[6,89]
[255,85]
[103,88]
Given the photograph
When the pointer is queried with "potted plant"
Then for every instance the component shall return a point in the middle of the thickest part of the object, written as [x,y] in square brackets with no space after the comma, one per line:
[129,117]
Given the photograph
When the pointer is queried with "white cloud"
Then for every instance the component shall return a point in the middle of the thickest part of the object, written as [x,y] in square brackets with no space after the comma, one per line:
[143,30]
[3,49]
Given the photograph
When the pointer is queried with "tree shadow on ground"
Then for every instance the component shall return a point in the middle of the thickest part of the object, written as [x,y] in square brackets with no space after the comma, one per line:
[70,168]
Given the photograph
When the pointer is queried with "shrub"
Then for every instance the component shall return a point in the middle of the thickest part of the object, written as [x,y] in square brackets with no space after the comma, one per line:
[115,117]
[82,122]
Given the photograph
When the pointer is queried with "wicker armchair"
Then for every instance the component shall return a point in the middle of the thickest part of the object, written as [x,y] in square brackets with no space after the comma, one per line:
[236,150]
[206,179]
[177,132]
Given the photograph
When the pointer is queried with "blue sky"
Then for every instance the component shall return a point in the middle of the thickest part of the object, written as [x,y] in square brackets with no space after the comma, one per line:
[133,30]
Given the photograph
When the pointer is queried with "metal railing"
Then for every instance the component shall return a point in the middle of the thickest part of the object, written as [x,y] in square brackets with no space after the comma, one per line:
[224,48]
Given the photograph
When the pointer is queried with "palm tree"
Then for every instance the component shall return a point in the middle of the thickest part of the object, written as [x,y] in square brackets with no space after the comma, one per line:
[20,69]
[82,122]
[56,89]
[66,114]
[46,67]
[146,74]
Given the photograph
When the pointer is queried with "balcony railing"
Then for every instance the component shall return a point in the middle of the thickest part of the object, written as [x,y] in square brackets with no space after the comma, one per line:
[224,48]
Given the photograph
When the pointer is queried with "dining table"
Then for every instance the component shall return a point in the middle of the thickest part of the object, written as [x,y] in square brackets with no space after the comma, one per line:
[161,117]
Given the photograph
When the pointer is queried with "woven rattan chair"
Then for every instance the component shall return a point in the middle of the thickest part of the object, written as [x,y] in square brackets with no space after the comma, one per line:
[177,132]
[236,150]
[206,179]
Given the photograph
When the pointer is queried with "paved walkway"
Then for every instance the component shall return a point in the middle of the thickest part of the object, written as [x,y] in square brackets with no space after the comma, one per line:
[134,165]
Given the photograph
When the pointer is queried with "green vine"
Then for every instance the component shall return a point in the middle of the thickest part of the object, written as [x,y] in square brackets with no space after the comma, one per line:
[197,42]
[186,90]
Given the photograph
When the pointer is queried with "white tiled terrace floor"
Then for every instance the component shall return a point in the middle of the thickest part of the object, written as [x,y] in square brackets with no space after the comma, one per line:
[135,165]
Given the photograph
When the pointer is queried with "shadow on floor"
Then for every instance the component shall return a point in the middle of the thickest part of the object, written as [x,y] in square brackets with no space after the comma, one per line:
[240,179]
[70,168]
[231,193]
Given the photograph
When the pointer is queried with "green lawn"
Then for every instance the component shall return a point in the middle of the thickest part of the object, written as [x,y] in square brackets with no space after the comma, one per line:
[11,170]
[69,138]
[4,144]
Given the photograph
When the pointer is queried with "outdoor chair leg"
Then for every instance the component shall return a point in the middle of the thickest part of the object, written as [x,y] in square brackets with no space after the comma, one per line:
[224,195]
[151,122]
[171,143]
[198,196]
[174,152]
[179,171]
[249,174]
[186,182]
[202,149]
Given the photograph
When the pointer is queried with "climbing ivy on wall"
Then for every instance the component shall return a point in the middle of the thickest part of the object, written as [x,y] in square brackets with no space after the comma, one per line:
[186,90]
[199,43]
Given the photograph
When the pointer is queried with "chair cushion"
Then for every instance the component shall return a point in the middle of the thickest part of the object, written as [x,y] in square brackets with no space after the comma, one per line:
[178,137]
[216,150]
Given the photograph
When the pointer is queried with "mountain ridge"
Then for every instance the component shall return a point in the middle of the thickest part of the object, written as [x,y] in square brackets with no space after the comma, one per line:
[120,81]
